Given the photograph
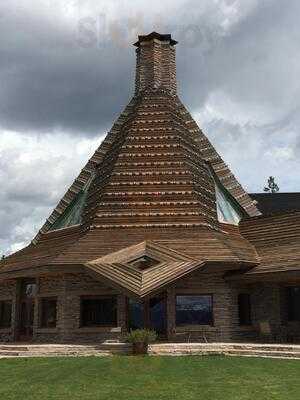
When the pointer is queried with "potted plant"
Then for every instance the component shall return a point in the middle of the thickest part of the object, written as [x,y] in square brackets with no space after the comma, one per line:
[140,339]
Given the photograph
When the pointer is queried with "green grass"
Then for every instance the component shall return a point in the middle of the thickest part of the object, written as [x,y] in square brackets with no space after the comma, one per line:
[139,378]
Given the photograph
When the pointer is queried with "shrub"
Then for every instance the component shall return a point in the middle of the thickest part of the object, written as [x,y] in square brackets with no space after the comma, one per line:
[141,336]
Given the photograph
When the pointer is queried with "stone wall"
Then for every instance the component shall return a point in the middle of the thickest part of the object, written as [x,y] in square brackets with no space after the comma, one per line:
[68,289]
[292,327]
[268,301]
[224,307]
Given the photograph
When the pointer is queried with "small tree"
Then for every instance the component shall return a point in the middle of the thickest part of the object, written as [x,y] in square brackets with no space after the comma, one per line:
[272,186]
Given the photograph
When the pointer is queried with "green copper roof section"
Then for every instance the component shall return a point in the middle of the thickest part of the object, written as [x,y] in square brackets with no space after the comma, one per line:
[73,213]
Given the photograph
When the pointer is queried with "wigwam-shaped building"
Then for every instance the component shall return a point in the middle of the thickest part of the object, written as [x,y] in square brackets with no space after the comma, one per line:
[155,232]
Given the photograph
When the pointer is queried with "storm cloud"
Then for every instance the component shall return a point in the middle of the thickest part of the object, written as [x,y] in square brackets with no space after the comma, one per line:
[67,70]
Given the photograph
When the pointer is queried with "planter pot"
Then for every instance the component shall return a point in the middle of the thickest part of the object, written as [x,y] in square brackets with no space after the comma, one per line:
[139,348]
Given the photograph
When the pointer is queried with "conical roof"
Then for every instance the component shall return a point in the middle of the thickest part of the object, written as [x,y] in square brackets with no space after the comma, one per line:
[153,174]
[154,177]
[155,165]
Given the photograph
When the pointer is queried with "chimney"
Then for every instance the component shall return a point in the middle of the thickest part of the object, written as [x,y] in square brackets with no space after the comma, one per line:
[155,63]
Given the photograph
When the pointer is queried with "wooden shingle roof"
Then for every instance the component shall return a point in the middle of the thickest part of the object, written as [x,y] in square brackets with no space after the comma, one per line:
[273,203]
[150,181]
[277,241]
[157,141]
[50,246]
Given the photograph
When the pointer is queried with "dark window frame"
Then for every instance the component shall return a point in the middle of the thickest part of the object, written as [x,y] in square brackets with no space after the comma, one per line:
[292,314]
[41,312]
[112,324]
[2,304]
[212,322]
[244,309]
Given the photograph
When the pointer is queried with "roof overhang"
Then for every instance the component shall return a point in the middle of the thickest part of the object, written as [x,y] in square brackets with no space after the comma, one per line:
[42,270]
[119,271]
[280,276]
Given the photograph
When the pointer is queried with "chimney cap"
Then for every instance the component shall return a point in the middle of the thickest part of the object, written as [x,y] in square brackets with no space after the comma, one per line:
[155,35]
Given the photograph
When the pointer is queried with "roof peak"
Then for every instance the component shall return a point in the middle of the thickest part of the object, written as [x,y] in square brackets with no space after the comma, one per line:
[155,35]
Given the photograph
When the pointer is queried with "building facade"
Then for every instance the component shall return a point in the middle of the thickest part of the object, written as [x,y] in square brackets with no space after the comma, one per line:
[156,232]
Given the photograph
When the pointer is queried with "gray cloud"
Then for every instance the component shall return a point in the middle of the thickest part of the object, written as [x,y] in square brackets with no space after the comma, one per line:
[76,76]
[50,81]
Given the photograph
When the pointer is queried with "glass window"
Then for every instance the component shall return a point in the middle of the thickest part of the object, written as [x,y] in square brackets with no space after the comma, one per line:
[294,303]
[135,314]
[227,211]
[73,213]
[99,311]
[244,305]
[194,310]
[48,312]
[5,314]
[157,311]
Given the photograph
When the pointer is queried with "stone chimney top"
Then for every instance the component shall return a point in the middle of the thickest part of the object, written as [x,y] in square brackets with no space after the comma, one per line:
[155,64]
[154,35]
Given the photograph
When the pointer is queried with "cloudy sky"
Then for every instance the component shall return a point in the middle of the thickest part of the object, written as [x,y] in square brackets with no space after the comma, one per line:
[67,70]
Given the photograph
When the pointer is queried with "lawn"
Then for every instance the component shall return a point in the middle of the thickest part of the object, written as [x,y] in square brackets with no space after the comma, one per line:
[139,378]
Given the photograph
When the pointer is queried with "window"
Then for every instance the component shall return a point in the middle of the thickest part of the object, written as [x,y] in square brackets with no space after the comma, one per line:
[73,213]
[5,314]
[294,303]
[99,311]
[244,305]
[48,312]
[194,310]
[228,212]
[135,314]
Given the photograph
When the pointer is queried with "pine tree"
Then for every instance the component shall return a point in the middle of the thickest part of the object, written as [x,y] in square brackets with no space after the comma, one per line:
[272,186]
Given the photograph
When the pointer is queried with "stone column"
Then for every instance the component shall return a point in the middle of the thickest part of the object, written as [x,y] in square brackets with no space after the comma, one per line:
[36,310]
[69,307]
[15,318]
